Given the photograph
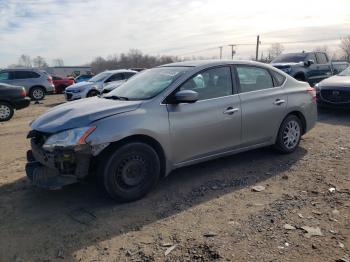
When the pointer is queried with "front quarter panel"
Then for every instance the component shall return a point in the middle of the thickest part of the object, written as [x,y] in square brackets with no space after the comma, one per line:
[150,119]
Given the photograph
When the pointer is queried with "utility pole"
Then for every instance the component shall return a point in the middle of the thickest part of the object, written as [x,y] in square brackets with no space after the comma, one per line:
[220,52]
[233,52]
[257,47]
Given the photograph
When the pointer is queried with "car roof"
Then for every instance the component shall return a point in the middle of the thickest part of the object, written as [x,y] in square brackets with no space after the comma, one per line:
[209,63]
[24,69]
[120,71]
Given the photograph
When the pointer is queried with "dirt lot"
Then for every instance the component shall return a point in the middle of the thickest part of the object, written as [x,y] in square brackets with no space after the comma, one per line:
[207,212]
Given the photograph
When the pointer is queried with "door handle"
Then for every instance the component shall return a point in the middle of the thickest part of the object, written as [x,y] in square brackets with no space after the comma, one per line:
[279,102]
[231,110]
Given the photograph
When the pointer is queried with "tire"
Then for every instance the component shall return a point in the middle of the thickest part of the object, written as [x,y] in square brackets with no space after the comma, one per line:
[289,135]
[37,93]
[6,111]
[92,93]
[130,172]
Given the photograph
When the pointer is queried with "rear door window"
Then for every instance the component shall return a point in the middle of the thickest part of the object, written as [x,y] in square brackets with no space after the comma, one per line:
[25,75]
[322,58]
[278,79]
[253,78]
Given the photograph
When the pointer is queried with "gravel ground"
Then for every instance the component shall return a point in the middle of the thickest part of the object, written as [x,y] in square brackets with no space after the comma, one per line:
[255,206]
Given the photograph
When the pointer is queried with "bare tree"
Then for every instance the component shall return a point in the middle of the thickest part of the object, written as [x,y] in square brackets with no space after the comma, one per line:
[24,61]
[133,59]
[323,48]
[57,62]
[275,50]
[345,47]
[39,62]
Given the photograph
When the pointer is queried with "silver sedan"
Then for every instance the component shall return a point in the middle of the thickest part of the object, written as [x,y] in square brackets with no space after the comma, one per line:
[168,117]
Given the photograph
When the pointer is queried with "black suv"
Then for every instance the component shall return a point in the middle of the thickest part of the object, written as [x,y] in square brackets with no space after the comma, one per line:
[311,67]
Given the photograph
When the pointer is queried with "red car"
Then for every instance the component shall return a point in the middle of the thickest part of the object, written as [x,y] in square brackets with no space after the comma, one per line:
[61,83]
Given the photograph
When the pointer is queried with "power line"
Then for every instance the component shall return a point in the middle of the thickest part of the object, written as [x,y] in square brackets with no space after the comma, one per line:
[261,43]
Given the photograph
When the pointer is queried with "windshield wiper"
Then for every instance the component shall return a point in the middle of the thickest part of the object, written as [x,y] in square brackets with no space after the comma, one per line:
[116,97]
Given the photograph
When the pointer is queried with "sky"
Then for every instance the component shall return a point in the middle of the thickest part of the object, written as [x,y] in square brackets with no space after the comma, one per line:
[79,30]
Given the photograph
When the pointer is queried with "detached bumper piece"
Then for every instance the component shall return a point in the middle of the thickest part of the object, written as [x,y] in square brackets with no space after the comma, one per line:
[53,170]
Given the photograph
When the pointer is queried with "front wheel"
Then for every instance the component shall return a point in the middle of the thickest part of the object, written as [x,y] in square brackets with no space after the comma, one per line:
[130,172]
[92,93]
[6,111]
[289,135]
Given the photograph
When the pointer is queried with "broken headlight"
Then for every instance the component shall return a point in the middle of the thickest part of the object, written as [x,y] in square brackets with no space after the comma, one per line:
[71,137]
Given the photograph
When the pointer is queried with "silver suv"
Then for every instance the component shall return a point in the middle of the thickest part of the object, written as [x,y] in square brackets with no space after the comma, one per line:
[36,82]
[94,86]
[169,117]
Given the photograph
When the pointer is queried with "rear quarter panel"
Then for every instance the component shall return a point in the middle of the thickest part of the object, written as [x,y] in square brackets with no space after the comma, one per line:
[300,100]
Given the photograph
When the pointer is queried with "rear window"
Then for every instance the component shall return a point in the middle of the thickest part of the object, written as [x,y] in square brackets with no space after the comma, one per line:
[25,75]
[278,78]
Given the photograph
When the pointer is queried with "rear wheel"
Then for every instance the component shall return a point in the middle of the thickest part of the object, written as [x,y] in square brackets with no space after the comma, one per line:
[130,172]
[37,93]
[6,111]
[289,134]
[92,93]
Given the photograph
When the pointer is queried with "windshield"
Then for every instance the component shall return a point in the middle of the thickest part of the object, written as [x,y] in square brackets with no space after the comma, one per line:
[290,58]
[99,77]
[148,83]
[346,72]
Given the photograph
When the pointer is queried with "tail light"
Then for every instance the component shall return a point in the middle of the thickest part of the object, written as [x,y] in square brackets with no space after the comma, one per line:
[49,79]
[312,92]
[23,92]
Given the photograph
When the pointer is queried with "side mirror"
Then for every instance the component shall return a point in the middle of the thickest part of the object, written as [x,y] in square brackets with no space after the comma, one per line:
[186,96]
[309,62]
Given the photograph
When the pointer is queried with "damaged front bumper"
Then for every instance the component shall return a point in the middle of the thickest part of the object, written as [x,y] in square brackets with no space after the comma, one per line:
[59,167]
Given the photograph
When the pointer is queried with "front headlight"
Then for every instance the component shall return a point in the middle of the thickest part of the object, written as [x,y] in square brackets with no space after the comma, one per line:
[71,137]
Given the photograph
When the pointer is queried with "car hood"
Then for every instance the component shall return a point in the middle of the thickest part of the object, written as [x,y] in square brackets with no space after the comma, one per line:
[336,81]
[80,85]
[81,113]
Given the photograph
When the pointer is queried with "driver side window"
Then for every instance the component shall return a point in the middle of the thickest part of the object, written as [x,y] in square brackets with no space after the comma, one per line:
[212,83]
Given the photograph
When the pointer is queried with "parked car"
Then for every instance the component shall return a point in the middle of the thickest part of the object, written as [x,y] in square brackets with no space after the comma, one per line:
[169,117]
[61,83]
[94,86]
[36,82]
[82,78]
[335,91]
[311,67]
[113,85]
[11,98]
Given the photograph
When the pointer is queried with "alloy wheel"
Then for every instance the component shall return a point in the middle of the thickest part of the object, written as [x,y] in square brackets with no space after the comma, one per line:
[5,112]
[291,134]
[38,94]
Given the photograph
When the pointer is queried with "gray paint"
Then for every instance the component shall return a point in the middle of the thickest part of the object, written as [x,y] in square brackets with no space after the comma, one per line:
[189,133]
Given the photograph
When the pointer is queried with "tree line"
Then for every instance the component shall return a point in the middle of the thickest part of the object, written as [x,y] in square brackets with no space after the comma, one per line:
[136,59]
